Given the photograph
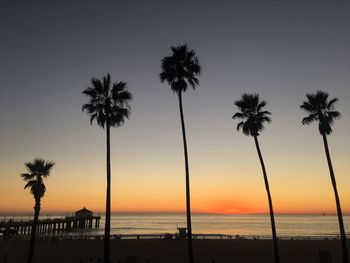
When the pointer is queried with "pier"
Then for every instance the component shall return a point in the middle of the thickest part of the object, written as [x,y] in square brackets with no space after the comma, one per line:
[82,219]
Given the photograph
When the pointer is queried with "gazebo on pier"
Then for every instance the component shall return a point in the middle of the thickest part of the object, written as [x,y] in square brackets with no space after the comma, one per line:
[83,218]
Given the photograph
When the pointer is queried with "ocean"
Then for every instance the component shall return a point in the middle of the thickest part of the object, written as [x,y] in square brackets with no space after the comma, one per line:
[243,225]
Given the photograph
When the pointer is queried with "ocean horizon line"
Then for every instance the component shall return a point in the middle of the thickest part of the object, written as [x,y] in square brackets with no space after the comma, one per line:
[101,213]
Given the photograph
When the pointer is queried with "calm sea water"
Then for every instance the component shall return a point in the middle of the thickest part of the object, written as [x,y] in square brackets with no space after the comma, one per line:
[287,225]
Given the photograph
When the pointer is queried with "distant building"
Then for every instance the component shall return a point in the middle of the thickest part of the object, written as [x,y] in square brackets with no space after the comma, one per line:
[83,213]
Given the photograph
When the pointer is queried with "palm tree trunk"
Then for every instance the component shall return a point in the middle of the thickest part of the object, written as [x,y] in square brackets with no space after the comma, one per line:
[106,258]
[340,215]
[33,233]
[272,217]
[188,199]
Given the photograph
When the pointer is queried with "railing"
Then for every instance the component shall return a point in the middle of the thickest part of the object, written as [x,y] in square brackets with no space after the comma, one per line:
[168,236]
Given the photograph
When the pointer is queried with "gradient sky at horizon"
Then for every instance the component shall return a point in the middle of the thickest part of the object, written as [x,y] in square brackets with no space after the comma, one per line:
[282,50]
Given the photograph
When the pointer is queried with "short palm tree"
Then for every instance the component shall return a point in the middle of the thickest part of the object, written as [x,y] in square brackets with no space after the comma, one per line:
[322,111]
[181,69]
[36,172]
[252,122]
[109,106]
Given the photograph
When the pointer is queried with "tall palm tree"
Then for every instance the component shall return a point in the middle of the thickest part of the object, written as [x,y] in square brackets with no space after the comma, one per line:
[181,69]
[109,106]
[36,171]
[252,121]
[322,111]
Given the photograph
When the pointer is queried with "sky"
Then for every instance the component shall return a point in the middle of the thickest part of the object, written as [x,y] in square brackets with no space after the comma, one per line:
[279,49]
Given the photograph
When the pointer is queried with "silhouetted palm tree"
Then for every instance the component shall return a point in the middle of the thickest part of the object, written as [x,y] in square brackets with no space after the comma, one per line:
[36,171]
[253,118]
[180,70]
[109,106]
[322,111]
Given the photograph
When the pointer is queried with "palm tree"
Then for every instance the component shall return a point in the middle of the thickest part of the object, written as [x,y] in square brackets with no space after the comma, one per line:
[36,171]
[180,70]
[322,111]
[253,117]
[109,106]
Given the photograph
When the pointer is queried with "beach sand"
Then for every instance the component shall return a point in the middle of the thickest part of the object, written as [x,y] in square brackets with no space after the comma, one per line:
[171,251]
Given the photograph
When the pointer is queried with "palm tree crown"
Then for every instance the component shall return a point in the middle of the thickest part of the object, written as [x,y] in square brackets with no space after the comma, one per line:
[107,102]
[251,114]
[36,171]
[180,69]
[320,110]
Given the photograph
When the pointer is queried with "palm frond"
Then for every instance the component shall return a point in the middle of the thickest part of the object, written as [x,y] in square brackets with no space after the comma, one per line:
[334,114]
[93,117]
[261,105]
[101,119]
[240,125]
[30,184]
[266,118]
[119,116]
[118,87]
[246,129]
[263,113]
[308,107]
[97,86]
[120,94]
[89,108]
[27,176]
[90,92]
[330,105]
[307,120]
[30,167]
[48,166]
[238,115]
[107,82]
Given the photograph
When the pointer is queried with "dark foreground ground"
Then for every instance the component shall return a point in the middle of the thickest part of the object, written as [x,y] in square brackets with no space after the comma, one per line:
[173,251]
